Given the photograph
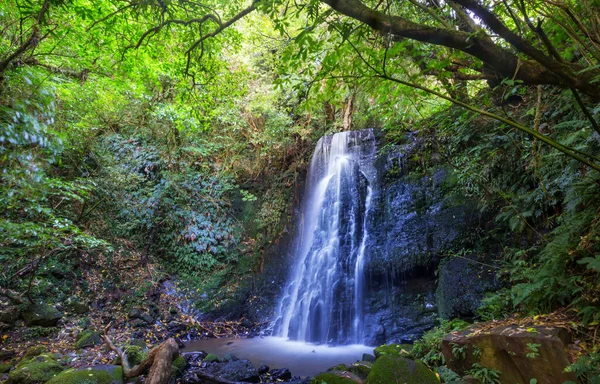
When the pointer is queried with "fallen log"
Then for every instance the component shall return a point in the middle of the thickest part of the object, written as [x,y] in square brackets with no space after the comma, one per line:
[158,362]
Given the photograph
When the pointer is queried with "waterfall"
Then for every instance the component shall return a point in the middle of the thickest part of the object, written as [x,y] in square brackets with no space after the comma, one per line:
[323,300]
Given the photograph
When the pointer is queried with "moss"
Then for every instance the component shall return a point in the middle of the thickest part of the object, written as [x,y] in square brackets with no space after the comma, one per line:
[88,339]
[4,368]
[211,358]
[339,367]
[135,354]
[89,376]
[393,350]
[33,351]
[361,369]
[393,369]
[34,370]
[335,377]
[178,366]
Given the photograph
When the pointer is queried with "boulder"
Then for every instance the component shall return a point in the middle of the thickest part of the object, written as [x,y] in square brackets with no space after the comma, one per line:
[518,354]
[394,369]
[239,370]
[392,350]
[76,306]
[135,354]
[368,357]
[35,370]
[336,377]
[88,339]
[99,374]
[211,358]
[42,315]
[282,374]
[9,315]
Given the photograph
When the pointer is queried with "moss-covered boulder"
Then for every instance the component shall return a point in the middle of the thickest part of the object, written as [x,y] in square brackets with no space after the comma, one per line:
[88,339]
[75,306]
[101,374]
[361,369]
[394,369]
[42,315]
[336,377]
[517,354]
[4,368]
[9,315]
[211,358]
[33,351]
[35,370]
[392,350]
[135,354]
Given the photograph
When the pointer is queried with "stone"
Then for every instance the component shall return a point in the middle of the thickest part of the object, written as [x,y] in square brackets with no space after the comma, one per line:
[9,316]
[135,313]
[336,377]
[361,369]
[35,370]
[520,354]
[194,357]
[211,358]
[42,315]
[88,339]
[394,369]
[263,369]
[392,350]
[368,357]
[99,374]
[282,374]
[240,370]
[229,357]
[178,366]
[135,354]
[76,306]
[33,351]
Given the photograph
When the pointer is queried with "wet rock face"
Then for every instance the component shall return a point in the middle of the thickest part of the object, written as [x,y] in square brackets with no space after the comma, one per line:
[462,283]
[518,354]
[42,315]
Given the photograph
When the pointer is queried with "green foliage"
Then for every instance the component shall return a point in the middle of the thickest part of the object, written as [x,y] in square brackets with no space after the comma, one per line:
[485,375]
[587,368]
[429,347]
[533,350]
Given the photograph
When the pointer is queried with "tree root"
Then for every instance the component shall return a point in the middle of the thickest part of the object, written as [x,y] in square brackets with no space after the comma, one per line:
[158,362]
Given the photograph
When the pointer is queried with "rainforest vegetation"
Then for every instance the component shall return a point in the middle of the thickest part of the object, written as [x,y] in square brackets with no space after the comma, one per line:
[151,140]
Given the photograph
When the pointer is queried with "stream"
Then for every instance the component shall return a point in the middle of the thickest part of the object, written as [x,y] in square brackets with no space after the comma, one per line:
[302,359]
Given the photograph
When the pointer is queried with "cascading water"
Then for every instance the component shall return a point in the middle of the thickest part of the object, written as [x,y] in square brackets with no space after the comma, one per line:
[323,301]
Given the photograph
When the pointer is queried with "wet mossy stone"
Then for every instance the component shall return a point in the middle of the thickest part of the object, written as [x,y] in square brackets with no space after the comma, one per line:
[211,358]
[336,377]
[394,369]
[100,374]
[392,350]
[33,351]
[361,369]
[42,315]
[88,339]
[240,370]
[9,315]
[35,370]
[135,354]
[76,306]
[178,366]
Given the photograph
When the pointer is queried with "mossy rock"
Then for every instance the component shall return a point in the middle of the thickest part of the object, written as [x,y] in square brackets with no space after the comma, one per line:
[393,369]
[88,339]
[361,369]
[336,377]
[33,351]
[103,374]
[392,350]
[35,370]
[211,358]
[4,368]
[42,315]
[135,354]
[178,366]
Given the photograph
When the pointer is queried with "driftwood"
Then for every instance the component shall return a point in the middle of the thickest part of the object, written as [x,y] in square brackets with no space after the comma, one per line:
[159,361]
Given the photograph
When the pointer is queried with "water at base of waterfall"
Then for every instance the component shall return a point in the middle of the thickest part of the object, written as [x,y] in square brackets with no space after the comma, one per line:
[323,300]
